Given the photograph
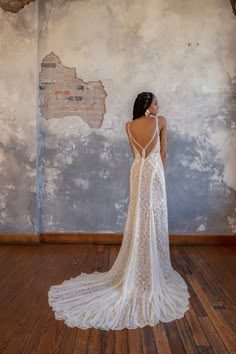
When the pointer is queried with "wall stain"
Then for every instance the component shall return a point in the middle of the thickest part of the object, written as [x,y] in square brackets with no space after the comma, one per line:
[14,6]
[233,3]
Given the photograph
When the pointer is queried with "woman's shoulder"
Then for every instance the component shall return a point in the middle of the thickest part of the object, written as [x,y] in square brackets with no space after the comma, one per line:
[126,124]
[162,122]
[162,118]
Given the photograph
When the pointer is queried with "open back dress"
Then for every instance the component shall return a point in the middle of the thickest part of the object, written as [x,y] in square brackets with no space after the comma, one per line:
[141,288]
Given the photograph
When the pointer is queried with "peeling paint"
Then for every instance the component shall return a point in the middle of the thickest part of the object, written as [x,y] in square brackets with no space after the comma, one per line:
[14,6]
[62,93]
[201,228]
[232,221]
[81,182]
[104,173]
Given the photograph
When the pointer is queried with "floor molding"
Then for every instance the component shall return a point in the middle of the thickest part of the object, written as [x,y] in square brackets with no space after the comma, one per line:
[111,238]
[18,239]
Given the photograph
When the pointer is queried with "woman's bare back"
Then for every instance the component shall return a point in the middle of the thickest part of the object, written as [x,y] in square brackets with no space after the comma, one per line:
[143,131]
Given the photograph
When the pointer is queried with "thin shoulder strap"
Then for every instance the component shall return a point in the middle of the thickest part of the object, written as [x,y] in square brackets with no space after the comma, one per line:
[143,148]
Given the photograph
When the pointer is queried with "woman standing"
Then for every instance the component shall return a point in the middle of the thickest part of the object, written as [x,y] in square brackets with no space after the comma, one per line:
[141,288]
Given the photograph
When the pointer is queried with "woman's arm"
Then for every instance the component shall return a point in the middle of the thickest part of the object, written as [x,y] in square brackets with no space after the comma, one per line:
[163,139]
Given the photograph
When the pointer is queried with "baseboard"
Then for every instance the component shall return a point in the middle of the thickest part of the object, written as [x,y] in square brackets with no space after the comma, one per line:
[111,238]
[18,239]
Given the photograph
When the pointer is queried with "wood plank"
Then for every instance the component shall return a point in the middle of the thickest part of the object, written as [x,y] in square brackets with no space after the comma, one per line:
[218,297]
[197,332]
[161,339]
[195,302]
[223,330]
[108,346]
[187,336]
[32,338]
[135,341]
[148,340]
[121,341]
[175,341]
[15,298]
[221,267]
[217,345]
[27,322]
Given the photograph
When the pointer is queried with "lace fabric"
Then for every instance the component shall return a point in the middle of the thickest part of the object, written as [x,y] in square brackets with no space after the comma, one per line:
[141,288]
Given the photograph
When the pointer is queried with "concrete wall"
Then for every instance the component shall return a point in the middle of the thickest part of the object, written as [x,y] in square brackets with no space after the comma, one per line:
[92,59]
[18,112]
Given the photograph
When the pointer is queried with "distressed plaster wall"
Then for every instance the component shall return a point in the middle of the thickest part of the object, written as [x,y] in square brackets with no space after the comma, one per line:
[182,51]
[185,54]
[18,107]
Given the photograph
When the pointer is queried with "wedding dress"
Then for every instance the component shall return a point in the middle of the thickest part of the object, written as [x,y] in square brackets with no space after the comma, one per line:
[141,288]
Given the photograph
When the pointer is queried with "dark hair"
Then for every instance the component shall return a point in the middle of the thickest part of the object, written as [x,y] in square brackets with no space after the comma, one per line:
[142,102]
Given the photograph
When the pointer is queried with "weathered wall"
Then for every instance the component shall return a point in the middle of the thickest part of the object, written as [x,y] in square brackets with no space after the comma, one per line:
[18,107]
[93,59]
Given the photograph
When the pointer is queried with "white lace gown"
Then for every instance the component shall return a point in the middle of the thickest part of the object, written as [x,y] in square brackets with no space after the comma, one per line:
[141,288]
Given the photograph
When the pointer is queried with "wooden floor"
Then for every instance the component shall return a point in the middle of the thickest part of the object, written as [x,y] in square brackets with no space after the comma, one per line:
[27,323]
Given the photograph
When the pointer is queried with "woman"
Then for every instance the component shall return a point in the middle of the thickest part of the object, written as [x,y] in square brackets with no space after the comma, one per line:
[141,288]
[144,126]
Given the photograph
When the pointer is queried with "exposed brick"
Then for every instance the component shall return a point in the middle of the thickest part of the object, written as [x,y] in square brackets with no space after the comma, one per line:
[48,65]
[59,88]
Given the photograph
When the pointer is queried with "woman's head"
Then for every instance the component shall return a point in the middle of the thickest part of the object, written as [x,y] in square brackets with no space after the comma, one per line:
[144,101]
